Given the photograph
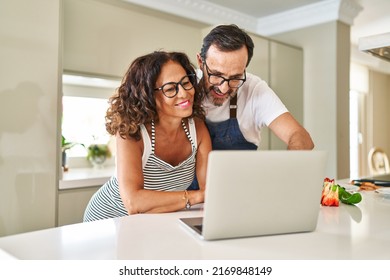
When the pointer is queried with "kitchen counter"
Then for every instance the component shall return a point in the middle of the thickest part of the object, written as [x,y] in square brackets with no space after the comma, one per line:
[346,232]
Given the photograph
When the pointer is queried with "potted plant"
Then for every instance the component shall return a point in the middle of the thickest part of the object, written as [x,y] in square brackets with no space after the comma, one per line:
[98,153]
[65,145]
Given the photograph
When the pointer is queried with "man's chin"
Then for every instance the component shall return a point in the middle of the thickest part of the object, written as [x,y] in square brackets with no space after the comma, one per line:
[217,99]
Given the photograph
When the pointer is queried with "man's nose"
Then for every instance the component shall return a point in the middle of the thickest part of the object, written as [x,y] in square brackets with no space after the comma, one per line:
[224,87]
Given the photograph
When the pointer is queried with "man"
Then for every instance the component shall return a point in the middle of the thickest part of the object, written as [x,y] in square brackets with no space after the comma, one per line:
[239,104]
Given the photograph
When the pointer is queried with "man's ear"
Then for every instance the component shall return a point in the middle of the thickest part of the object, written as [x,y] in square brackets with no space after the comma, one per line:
[199,60]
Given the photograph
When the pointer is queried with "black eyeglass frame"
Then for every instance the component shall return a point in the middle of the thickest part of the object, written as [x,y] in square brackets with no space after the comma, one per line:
[192,80]
[223,79]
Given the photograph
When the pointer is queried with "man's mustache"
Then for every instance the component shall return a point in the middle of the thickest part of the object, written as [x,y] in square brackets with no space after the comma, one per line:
[217,90]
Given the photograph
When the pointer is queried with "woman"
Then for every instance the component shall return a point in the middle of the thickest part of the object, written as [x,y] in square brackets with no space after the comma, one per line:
[157,119]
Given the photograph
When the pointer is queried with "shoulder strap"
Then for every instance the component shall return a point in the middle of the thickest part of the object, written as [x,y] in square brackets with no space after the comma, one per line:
[153,136]
[233,107]
[187,132]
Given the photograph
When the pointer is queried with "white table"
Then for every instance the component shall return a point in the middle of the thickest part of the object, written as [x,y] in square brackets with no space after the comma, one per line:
[345,232]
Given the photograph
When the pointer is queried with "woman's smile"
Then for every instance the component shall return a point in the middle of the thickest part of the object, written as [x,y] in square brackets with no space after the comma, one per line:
[185,104]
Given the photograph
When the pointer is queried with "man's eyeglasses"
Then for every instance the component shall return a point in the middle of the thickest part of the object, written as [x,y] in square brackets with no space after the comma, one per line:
[219,80]
[171,89]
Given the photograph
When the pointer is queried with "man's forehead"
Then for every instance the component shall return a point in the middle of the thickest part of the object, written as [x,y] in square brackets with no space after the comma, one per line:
[227,62]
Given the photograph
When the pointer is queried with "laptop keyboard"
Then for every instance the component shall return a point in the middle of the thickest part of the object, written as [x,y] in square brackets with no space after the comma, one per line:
[199,227]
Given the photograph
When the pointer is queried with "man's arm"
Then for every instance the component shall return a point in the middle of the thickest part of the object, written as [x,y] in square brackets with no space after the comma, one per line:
[291,132]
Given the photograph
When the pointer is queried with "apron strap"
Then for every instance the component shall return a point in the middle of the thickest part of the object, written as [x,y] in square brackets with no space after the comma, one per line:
[233,107]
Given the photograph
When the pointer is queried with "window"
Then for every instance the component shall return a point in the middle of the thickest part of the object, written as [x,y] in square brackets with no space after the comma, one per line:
[85,102]
[83,122]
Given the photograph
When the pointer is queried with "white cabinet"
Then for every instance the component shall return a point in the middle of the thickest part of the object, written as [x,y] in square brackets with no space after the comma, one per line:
[72,204]
[286,79]
[30,47]
[259,64]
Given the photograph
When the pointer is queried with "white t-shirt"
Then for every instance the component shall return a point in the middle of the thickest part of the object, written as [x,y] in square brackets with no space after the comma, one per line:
[257,106]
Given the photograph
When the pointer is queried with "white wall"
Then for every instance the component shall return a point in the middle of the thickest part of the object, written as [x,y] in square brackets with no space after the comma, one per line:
[326,86]
[104,37]
[379,94]
[29,83]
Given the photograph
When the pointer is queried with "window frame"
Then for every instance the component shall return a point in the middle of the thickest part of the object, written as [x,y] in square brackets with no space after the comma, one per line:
[79,84]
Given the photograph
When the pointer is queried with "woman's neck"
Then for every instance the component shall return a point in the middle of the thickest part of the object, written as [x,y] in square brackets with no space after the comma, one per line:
[169,127]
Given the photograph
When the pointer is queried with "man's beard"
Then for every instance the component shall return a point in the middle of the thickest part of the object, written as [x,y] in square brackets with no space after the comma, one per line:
[218,100]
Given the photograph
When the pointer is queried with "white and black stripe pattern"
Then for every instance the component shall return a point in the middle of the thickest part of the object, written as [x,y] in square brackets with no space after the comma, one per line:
[158,175]
[191,122]
[105,203]
[161,176]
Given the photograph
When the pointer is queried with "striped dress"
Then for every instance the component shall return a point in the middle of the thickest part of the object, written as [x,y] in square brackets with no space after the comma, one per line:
[158,175]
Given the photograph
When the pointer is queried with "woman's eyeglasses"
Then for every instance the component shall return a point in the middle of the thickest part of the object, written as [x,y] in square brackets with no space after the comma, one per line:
[171,89]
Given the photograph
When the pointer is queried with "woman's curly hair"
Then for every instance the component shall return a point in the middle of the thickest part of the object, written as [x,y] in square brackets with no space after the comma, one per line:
[134,101]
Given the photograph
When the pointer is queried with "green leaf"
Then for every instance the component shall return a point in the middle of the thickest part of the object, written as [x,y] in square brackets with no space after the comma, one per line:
[97,150]
[65,145]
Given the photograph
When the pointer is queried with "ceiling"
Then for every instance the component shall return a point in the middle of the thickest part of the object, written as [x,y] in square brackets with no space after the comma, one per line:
[373,19]
[261,8]
[271,17]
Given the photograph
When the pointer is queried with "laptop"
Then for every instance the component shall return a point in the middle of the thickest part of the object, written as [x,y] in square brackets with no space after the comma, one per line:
[255,193]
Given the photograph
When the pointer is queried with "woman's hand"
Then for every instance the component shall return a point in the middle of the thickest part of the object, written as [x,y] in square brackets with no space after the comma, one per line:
[196,197]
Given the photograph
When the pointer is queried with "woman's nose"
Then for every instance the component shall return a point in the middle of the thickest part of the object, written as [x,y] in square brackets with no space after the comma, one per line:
[181,92]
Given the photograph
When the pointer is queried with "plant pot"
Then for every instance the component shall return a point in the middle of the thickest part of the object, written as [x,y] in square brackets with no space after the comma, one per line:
[64,161]
[97,154]
[97,161]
